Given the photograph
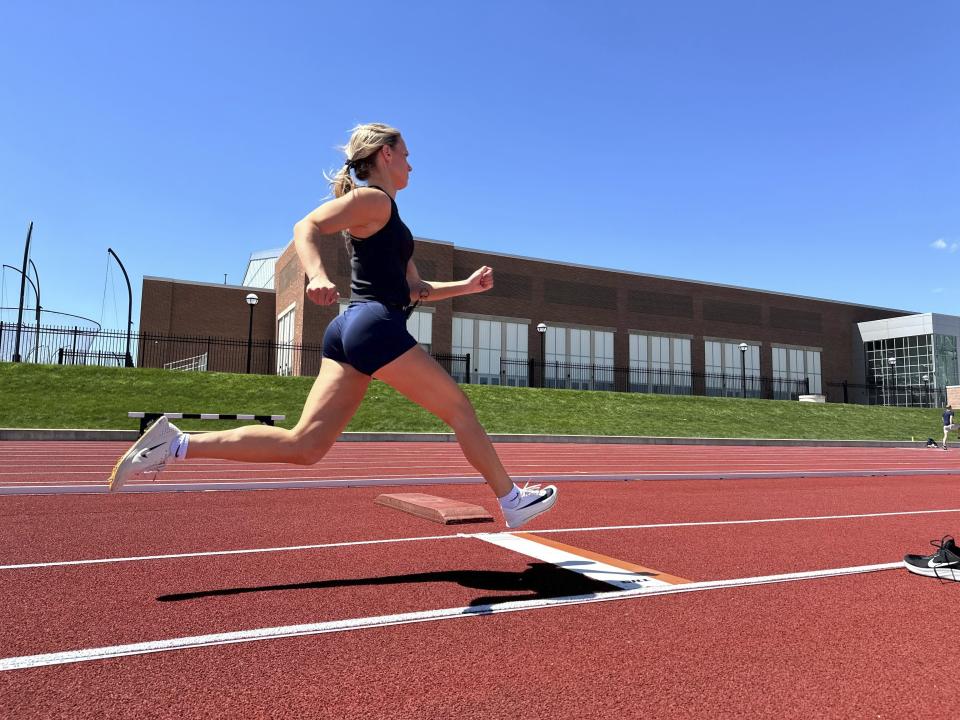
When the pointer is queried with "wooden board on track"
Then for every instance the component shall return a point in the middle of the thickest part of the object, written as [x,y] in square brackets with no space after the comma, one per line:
[436,509]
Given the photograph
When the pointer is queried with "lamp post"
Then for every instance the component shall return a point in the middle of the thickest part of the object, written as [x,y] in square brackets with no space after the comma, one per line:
[926,389]
[893,377]
[542,329]
[23,287]
[127,357]
[36,291]
[743,366]
[252,300]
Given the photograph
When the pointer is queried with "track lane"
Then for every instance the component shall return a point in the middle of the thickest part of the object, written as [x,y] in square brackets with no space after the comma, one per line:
[854,645]
[37,528]
[124,602]
[26,464]
[788,651]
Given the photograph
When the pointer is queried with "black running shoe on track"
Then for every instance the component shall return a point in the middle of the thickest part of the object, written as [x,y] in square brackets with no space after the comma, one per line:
[944,564]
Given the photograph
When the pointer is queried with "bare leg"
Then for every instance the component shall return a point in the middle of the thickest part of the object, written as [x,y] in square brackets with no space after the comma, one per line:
[946,434]
[418,377]
[334,398]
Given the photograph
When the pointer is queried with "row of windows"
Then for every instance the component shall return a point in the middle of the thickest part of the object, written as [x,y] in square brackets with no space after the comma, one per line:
[902,368]
[499,348]
[499,353]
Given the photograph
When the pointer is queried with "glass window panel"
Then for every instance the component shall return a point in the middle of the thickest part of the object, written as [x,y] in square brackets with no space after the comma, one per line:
[712,356]
[484,333]
[556,344]
[753,361]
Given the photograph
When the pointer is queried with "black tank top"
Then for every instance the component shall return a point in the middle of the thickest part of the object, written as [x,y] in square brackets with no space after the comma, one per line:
[379,262]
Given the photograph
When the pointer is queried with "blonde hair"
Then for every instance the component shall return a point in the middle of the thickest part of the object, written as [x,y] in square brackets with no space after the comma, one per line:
[361,150]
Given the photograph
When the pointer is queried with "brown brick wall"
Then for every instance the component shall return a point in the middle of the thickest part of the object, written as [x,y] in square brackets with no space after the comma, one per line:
[549,292]
[953,396]
[179,307]
[201,310]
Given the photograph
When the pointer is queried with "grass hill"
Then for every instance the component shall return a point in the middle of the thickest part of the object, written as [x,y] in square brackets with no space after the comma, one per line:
[53,396]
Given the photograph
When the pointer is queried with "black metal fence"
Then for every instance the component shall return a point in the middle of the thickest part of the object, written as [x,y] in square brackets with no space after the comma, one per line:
[574,376]
[64,345]
[86,346]
[457,365]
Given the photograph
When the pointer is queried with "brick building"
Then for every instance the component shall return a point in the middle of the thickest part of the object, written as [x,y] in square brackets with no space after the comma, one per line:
[689,332]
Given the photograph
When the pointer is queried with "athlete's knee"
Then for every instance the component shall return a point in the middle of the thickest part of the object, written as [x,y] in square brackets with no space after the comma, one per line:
[308,448]
[459,413]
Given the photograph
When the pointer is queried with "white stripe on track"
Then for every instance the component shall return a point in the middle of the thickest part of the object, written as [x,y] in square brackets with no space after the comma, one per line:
[289,631]
[706,523]
[650,526]
[217,553]
[304,483]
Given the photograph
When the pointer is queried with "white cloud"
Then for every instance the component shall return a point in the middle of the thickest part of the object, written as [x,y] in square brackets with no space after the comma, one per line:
[941,244]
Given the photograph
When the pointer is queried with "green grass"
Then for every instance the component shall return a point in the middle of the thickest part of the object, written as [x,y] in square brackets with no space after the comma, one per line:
[51,396]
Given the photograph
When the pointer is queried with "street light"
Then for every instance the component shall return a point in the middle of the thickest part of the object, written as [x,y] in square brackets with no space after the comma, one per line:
[893,377]
[743,366]
[542,329]
[252,300]
[127,358]
[36,291]
[926,389]
[23,287]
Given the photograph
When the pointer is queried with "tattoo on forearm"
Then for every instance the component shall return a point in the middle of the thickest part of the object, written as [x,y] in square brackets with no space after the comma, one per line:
[424,290]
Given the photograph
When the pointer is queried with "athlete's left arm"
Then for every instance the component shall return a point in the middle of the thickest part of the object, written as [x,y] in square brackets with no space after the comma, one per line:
[432,290]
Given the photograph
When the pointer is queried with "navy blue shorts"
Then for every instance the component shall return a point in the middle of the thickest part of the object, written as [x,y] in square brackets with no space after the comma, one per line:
[368,336]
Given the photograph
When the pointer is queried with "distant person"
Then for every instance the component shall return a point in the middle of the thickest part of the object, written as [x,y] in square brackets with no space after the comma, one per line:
[948,424]
[370,340]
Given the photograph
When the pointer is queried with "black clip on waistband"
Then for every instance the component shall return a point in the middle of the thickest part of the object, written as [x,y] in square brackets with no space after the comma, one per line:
[408,309]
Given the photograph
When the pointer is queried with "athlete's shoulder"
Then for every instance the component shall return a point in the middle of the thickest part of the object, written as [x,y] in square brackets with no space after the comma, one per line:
[371,194]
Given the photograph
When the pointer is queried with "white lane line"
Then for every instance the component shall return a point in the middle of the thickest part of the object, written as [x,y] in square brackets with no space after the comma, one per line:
[275,633]
[706,523]
[304,483]
[516,466]
[216,553]
[649,526]
[227,486]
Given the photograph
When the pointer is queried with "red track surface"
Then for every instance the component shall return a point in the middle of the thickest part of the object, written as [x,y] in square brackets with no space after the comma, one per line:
[872,645]
[88,463]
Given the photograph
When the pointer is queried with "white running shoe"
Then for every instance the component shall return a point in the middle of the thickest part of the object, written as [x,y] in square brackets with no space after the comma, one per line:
[534,500]
[148,453]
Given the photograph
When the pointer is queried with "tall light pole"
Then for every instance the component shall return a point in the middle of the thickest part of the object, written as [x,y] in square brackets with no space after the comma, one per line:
[128,359]
[542,329]
[252,300]
[926,389]
[743,366]
[893,377]
[23,288]
[36,291]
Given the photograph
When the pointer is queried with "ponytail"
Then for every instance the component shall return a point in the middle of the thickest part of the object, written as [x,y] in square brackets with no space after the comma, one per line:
[343,181]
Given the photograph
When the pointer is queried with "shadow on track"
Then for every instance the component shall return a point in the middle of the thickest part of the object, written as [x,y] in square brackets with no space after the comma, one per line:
[539,580]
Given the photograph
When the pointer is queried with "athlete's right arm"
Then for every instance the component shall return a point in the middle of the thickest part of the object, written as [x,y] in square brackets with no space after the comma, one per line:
[358,211]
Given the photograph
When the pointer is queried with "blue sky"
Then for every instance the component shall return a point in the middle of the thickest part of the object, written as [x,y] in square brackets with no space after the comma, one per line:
[802,147]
